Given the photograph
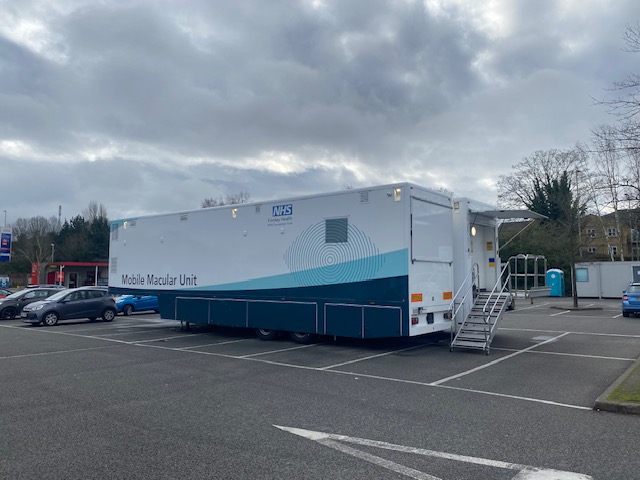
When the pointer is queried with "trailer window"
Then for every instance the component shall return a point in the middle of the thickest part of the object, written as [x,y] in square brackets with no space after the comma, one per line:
[336,230]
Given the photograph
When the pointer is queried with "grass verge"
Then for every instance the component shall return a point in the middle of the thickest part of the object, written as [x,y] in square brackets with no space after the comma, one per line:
[629,388]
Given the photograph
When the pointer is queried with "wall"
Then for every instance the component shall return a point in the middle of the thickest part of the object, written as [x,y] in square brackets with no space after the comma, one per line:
[603,279]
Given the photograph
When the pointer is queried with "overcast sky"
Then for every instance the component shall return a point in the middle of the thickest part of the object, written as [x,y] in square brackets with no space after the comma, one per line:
[151,106]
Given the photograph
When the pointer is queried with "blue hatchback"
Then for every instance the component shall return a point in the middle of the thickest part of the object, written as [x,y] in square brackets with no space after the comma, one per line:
[631,300]
[127,304]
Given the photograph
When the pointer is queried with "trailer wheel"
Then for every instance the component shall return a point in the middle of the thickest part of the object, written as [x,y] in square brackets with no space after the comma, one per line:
[304,338]
[266,334]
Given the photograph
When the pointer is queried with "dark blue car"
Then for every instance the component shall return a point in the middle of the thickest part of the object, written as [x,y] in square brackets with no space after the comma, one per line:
[631,300]
[127,304]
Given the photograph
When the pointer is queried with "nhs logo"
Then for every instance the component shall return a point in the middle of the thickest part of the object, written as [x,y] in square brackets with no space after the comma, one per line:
[282,210]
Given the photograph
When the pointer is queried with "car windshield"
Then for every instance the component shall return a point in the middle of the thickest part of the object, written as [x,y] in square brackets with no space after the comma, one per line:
[58,296]
[633,289]
[16,294]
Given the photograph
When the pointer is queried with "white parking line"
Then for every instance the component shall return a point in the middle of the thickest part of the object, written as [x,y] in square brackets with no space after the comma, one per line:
[279,350]
[598,357]
[165,338]
[213,344]
[57,352]
[133,331]
[374,377]
[59,332]
[498,360]
[532,307]
[560,313]
[334,441]
[436,384]
[623,335]
[370,357]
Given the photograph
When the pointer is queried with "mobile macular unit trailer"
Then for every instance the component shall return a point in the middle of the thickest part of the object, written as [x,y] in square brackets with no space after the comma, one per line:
[386,261]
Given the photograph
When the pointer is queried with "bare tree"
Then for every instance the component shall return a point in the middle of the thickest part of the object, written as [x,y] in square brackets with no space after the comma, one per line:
[231,199]
[518,189]
[608,170]
[34,240]
[626,105]
[94,211]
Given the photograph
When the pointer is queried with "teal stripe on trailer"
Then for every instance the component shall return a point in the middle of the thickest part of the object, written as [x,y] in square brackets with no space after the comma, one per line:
[371,309]
[388,265]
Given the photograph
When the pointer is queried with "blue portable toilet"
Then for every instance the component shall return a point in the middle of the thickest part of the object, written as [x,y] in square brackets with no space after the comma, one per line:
[555,280]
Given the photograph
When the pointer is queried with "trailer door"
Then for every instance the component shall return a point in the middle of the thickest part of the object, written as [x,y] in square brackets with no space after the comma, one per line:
[431,269]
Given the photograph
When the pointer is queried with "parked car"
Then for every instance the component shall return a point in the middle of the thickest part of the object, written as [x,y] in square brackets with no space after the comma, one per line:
[82,302]
[12,304]
[631,300]
[127,304]
[48,285]
[4,292]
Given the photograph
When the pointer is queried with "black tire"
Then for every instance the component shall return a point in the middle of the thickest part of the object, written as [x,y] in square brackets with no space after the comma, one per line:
[266,334]
[127,310]
[50,319]
[303,338]
[8,313]
[624,314]
[109,314]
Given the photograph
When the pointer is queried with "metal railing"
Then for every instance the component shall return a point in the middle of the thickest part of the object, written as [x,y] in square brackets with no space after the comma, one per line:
[466,287]
[496,294]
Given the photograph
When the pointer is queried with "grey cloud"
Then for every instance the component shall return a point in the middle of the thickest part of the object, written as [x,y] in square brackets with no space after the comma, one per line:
[147,86]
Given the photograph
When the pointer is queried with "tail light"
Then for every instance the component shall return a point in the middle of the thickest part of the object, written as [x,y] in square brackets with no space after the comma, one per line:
[414,320]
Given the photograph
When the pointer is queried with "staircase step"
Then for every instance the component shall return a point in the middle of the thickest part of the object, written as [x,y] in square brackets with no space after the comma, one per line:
[480,319]
[475,328]
[470,336]
[466,344]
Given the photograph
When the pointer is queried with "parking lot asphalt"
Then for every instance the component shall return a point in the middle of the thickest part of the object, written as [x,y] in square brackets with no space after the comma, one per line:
[141,398]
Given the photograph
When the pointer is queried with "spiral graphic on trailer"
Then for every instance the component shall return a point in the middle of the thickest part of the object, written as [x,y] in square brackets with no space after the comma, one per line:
[312,261]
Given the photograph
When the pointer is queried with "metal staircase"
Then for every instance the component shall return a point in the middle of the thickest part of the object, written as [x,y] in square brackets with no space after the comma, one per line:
[479,326]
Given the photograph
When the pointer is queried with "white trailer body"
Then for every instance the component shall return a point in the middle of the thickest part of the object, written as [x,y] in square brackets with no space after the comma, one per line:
[373,262]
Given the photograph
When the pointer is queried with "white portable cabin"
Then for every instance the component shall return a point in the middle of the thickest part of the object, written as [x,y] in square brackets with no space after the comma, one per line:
[370,262]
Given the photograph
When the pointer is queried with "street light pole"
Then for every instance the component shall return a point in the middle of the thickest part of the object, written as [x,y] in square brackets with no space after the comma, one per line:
[579,212]
[53,249]
[5,218]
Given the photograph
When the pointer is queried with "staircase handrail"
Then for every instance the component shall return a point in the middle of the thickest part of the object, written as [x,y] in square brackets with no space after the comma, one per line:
[473,274]
[504,288]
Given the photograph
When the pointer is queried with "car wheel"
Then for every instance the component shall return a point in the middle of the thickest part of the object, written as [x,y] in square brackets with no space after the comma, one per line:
[127,309]
[50,319]
[625,314]
[304,338]
[8,313]
[109,314]
[266,334]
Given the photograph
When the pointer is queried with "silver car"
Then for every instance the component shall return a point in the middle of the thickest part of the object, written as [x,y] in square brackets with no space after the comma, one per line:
[83,302]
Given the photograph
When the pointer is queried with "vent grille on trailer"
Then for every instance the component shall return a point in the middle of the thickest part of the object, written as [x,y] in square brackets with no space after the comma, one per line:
[364,197]
[113,268]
